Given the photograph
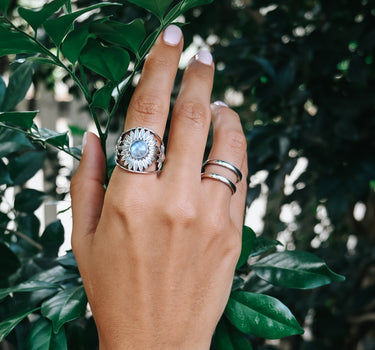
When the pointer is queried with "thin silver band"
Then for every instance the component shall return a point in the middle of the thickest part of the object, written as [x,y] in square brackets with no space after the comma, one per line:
[220,178]
[224,164]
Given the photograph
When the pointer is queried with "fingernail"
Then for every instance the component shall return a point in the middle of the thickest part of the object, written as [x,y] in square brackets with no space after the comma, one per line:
[84,141]
[204,56]
[220,103]
[172,35]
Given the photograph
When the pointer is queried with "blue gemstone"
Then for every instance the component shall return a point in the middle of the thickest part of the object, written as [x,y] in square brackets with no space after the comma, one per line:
[139,149]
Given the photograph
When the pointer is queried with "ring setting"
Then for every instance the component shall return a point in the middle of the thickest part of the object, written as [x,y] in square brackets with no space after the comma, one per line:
[138,149]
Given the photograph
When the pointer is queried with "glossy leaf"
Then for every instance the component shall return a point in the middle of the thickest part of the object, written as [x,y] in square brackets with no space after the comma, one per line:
[15,43]
[28,200]
[55,275]
[261,315]
[37,17]
[65,306]
[9,262]
[68,261]
[41,337]
[110,62]
[57,28]
[25,166]
[227,337]
[7,325]
[262,245]
[75,41]
[102,97]
[52,137]
[5,178]
[12,141]
[3,89]
[188,4]
[128,35]
[21,119]
[28,286]
[248,237]
[19,84]
[4,4]
[157,7]
[295,269]
[52,238]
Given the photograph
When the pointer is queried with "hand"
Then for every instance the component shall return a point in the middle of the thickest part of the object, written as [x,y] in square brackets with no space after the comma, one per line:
[157,253]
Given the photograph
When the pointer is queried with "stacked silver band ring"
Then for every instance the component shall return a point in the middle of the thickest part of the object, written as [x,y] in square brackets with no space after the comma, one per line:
[222,178]
[138,149]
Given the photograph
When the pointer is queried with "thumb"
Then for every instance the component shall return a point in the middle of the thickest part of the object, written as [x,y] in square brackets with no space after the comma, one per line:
[87,189]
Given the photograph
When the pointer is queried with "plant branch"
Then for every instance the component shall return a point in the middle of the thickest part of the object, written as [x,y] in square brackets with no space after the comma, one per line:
[24,237]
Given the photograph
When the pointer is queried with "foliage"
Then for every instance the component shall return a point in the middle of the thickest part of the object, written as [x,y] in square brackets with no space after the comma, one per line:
[253,60]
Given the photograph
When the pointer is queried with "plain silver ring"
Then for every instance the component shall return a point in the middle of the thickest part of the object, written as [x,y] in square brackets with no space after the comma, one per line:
[224,164]
[220,178]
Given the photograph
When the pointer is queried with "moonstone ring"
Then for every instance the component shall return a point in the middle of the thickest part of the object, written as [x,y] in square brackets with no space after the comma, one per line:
[138,149]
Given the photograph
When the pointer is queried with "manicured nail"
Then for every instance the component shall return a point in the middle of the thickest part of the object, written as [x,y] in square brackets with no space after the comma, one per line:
[220,103]
[204,56]
[172,35]
[84,141]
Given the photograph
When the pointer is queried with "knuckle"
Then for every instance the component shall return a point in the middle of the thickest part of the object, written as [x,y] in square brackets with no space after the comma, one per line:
[146,107]
[180,211]
[236,140]
[157,62]
[195,113]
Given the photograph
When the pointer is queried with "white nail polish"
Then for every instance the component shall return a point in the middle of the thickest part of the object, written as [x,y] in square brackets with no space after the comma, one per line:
[220,103]
[204,56]
[172,35]
[84,141]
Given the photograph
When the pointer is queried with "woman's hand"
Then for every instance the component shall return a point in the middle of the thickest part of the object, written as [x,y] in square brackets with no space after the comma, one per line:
[157,253]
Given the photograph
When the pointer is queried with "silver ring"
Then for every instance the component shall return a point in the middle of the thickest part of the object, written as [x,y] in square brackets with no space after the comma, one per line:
[137,150]
[220,178]
[223,164]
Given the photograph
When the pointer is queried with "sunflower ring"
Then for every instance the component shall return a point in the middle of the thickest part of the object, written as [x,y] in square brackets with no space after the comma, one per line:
[138,149]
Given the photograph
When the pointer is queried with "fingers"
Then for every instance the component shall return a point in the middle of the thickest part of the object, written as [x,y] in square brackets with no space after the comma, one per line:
[191,118]
[150,103]
[87,190]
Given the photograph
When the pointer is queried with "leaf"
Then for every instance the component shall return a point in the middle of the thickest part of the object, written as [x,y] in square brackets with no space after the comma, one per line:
[248,237]
[7,325]
[52,238]
[261,315]
[15,43]
[68,261]
[37,17]
[24,167]
[110,62]
[74,43]
[227,337]
[128,35]
[9,262]
[5,178]
[102,97]
[57,28]
[188,4]
[157,7]
[56,274]
[41,337]
[21,119]
[3,89]
[12,141]
[262,245]
[65,306]
[28,286]
[4,4]
[52,137]
[28,200]
[295,269]
[19,84]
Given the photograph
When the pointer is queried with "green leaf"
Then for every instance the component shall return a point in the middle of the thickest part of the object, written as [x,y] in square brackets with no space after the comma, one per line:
[28,200]
[9,262]
[57,28]
[227,337]
[52,137]
[21,119]
[5,178]
[188,4]
[262,245]
[3,89]
[41,337]
[261,315]
[295,269]
[76,130]
[7,325]
[157,7]
[28,286]
[65,306]
[15,43]
[68,261]
[4,4]
[75,41]
[37,17]
[110,62]
[102,97]
[52,238]
[56,274]
[128,35]
[19,84]
[24,167]
[12,141]
[248,237]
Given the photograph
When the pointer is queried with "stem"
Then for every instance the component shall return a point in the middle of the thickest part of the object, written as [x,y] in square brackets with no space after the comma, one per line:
[23,236]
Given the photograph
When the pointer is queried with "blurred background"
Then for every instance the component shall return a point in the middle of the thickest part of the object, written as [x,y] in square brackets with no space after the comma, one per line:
[301,75]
